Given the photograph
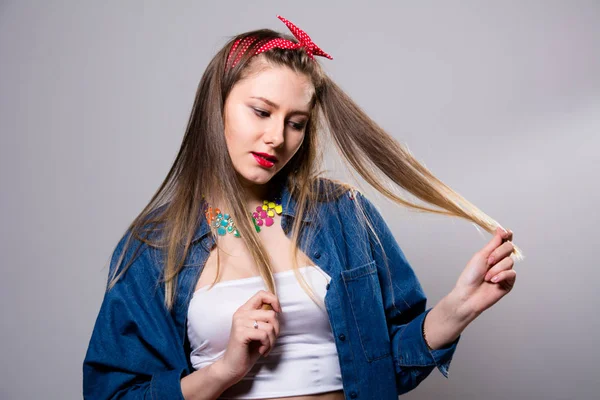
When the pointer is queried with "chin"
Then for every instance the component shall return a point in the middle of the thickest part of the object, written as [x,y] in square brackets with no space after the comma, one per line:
[260,178]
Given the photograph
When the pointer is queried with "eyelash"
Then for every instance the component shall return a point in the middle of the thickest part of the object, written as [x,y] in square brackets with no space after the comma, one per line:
[261,114]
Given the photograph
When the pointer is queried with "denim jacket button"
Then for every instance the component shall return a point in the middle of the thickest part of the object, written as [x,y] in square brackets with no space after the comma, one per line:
[342,337]
[317,255]
[353,394]
[328,286]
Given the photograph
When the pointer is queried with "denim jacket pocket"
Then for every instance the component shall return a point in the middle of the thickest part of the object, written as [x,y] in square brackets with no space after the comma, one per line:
[364,293]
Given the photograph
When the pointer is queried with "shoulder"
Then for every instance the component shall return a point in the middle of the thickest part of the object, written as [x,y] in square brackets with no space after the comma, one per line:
[329,189]
[342,192]
[347,199]
[144,240]
[134,262]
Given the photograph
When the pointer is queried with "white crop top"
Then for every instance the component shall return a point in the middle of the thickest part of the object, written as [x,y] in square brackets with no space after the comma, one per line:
[304,359]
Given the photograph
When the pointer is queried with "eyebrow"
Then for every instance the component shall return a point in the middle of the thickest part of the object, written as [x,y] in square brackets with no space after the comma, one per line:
[276,106]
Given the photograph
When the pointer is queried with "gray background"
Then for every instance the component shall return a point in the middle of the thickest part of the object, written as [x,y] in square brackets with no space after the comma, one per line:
[500,100]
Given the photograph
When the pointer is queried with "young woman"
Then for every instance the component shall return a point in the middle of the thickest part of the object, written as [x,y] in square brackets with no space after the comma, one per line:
[249,275]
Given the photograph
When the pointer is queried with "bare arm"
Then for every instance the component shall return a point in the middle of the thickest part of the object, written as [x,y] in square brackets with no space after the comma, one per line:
[206,383]
[445,322]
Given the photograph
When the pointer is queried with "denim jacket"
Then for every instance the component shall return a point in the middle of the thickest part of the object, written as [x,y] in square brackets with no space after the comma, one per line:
[139,350]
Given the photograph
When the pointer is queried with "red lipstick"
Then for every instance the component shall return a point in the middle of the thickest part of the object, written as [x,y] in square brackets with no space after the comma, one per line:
[262,160]
[267,156]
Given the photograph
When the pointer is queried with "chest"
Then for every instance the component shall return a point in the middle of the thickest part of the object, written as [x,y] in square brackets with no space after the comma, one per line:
[229,259]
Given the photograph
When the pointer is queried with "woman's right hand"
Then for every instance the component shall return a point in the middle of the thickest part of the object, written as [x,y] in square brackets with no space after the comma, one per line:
[246,343]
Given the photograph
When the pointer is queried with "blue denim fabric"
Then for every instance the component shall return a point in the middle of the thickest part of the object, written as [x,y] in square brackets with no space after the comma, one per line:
[138,350]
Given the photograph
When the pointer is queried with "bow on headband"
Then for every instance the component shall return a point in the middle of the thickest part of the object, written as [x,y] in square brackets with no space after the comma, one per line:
[304,41]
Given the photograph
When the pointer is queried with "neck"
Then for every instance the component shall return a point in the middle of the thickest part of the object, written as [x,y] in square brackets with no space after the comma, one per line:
[253,196]
[255,193]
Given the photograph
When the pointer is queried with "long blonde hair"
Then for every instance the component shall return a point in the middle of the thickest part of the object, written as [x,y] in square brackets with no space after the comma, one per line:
[174,210]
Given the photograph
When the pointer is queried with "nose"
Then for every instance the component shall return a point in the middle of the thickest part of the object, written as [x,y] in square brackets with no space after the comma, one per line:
[275,134]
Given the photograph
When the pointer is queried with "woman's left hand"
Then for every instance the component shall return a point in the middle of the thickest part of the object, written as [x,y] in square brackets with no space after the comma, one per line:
[488,276]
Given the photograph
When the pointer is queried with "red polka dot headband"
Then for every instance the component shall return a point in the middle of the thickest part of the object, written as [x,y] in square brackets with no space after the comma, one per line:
[304,41]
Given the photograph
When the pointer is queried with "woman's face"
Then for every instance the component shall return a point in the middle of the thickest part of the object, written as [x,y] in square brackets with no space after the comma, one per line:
[266,113]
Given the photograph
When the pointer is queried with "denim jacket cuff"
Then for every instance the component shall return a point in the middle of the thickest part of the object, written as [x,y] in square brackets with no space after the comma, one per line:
[167,385]
[414,350]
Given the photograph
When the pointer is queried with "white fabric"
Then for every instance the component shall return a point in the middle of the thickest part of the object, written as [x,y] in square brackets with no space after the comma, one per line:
[304,359]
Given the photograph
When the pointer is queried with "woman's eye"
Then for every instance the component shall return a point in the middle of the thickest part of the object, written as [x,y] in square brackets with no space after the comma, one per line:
[261,113]
[297,126]
[264,114]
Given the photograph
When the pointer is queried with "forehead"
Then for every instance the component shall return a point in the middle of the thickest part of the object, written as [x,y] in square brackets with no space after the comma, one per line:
[279,84]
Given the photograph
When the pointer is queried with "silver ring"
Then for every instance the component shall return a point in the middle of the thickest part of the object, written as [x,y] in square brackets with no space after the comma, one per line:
[255,324]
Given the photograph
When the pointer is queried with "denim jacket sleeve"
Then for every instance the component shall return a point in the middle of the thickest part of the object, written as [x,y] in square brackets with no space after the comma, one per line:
[405,307]
[134,352]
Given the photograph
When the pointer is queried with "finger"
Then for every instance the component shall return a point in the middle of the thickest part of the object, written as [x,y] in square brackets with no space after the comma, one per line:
[505,276]
[500,253]
[261,336]
[494,242]
[270,331]
[267,316]
[503,265]
[262,297]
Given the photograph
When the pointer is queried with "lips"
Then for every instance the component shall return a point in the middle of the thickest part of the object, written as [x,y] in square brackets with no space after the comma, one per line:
[262,161]
[266,156]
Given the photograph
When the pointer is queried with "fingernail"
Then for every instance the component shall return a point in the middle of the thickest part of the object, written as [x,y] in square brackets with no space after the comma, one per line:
[495,279]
